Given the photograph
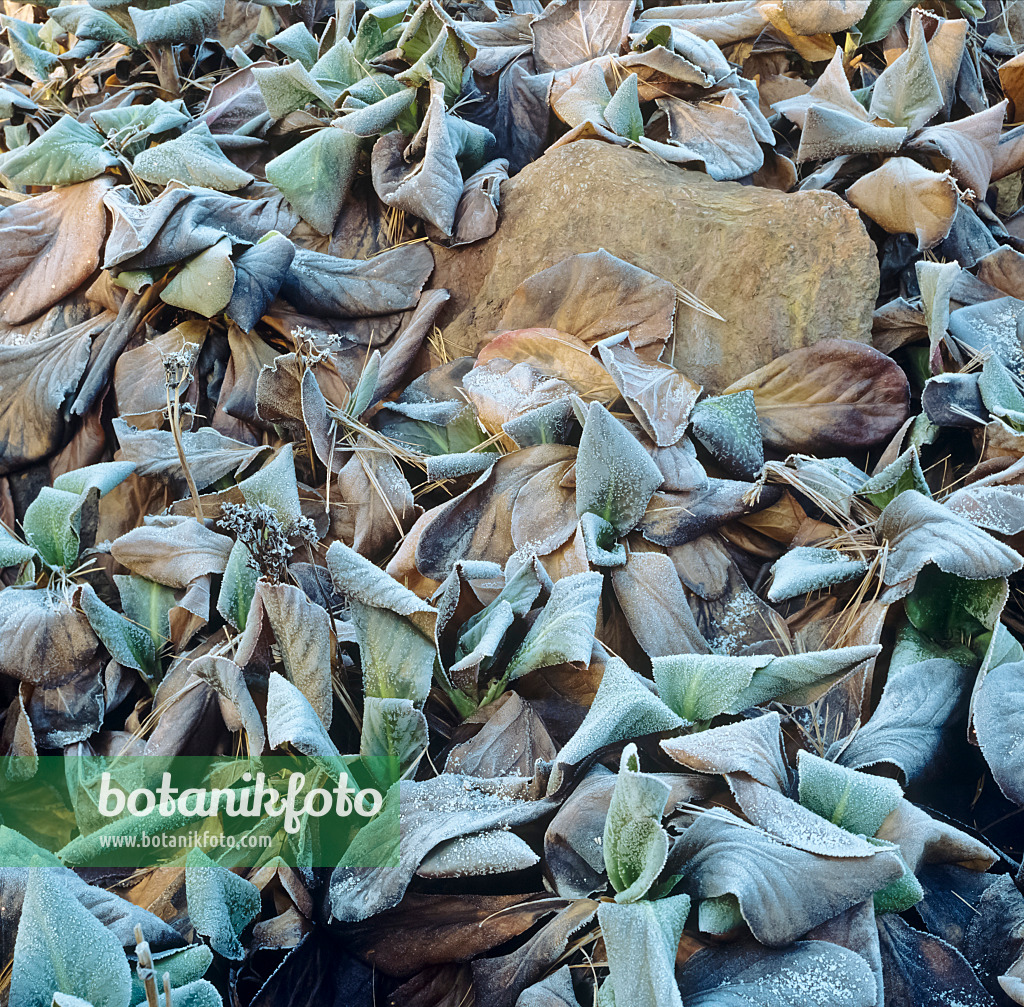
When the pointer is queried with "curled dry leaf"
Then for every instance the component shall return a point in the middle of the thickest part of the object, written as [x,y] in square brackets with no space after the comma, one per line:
[833,395]
[905,197]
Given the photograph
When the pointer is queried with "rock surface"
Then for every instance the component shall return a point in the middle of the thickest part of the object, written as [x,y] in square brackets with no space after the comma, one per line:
[784,269]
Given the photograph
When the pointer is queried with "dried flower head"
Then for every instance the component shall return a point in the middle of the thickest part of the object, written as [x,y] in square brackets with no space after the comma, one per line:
[178,365]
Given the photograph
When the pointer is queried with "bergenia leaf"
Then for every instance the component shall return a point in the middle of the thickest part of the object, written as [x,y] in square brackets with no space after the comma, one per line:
[635,845]
[220,904]
[67,152]
[615,476]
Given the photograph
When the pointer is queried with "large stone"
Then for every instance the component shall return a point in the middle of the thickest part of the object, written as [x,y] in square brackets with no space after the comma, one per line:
[783,269]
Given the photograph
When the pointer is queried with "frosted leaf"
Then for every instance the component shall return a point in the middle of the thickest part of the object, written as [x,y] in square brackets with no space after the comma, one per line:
[642,939]
[998,723]
[701,686]
[52,523]
[397,660]
[783,891]
[185,22]
[615,476]
[753,747]
[907,725]
[276,486]
[623,708]
[600,541]
[467,463]
[719,915]
[635,845]
[727,426]
[357,579]
[936,281]
[103,476]
[659,396]
[479,853]
[118,916]
[925,840]
[806,974]
[67,1000]
[903,474]
[183,965]
[226,677]
[377,867]
[291,720]
[62,947]
[554,991]
[999,392]
[220,903]
[205,283]
[193,158]
[991,325]
[793,824]
[395,730]
[128,643]
[995,508]
[13,552]
[480,643]
[199,993]
[547,424]
[805,569]
[857,802]
[564,631]
[66,153]
[238,587]
[174,554]
[921,531]
[907,92]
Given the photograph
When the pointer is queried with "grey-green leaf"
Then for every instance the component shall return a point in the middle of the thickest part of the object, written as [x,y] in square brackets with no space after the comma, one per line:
[66,153]
[615,476]
[193,158]
[62,947]
[220,904]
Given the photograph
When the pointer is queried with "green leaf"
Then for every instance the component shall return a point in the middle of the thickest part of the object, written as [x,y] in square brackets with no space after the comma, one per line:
[854,801]
[601,542]
[622,113]
[338,69]
[719,914]
[396,658]
[12,551]
[238,587]
[479,643]
[103,476]
[698,687]
[66,153]
[727,426]
[903,474]
[907,92]
[186,22]
[52,523]
[292,720]
[363,394]
[148,605]
[85,22]
[315,175]
[880,17]
[901,894]
[635,845]
[220,904]
[296,42]
[615,476]
[199,993]
[129,644]
[564,631]
[130,128]
[1000,393]
[642,939]
[393,729]
[205,283]
[288,88]
[183,965]
[193,158]
[30,58]
[951,609]
[804,569]
[622,708]
[445,61]
[62,947]
[275,485]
